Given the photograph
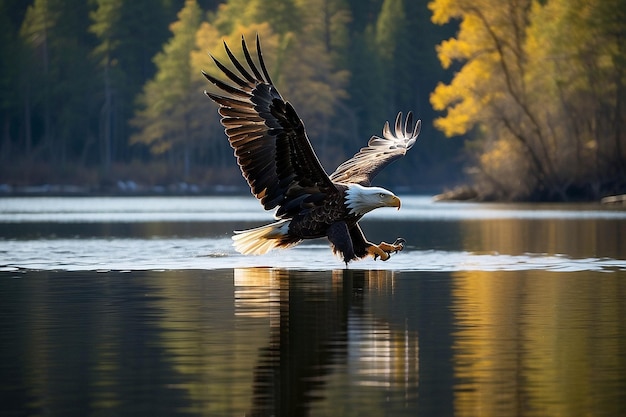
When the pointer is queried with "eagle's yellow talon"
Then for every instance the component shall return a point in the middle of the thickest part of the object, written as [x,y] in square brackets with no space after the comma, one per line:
[397,246]
[377,251]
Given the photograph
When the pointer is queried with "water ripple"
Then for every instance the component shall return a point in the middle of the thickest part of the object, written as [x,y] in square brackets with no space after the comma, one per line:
[184,254]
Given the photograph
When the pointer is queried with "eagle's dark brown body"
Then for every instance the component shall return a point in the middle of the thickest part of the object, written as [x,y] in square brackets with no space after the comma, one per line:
[313,222]
[332,219]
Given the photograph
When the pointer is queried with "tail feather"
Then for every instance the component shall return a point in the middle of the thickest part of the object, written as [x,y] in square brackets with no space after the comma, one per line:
[262,239]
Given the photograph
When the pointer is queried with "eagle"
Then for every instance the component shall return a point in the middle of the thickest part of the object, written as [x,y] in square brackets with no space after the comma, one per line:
[279,164]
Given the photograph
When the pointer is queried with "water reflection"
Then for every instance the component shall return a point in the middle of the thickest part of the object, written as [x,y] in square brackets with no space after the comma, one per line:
[578,239]
[280,342]
[539,347]
[251,341]
[315,327]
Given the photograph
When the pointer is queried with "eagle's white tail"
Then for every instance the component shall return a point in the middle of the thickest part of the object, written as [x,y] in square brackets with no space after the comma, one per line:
[263,239]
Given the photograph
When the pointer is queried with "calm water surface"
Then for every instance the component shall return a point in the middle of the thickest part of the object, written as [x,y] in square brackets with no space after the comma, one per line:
[140,306]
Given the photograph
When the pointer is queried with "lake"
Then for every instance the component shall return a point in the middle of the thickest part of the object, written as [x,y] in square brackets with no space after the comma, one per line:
[133,306]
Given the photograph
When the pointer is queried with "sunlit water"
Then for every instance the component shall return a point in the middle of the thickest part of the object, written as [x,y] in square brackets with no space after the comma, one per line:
[140,306]
[194,233]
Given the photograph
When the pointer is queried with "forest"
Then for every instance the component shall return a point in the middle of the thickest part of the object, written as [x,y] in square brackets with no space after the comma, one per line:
[519,99]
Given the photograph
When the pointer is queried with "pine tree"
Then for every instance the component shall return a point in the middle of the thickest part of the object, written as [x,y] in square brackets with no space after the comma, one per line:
[60,88]
[392,49]
[106,19]
[35,30]
[11,50]
[169,99]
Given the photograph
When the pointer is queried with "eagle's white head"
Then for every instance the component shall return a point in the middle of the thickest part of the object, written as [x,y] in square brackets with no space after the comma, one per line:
[360,199]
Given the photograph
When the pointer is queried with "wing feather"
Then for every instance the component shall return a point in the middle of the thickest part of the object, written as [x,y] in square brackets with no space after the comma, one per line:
[223,86]
[250,62]
[231,75]
[242,70]
[261,61]
[268,137]
[379,152]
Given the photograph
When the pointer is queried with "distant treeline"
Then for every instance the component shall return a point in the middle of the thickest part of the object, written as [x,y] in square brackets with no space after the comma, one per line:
[96,91]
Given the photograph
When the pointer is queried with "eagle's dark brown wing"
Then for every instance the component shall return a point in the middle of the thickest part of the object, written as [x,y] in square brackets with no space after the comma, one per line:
[379,152]
[269,139]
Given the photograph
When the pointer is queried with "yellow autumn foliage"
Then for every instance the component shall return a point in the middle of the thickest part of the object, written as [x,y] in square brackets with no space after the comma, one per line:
[543,80]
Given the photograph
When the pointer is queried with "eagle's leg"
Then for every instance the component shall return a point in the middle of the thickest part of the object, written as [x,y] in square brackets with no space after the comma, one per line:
[340,238]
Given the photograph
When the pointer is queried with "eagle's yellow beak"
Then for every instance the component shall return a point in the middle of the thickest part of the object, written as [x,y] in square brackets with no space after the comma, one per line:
[395,202]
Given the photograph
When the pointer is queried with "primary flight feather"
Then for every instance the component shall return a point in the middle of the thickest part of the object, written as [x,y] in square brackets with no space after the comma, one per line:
[283,172]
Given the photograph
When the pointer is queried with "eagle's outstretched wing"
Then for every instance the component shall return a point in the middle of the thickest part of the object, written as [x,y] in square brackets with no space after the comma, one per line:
[379,152]
[269,139]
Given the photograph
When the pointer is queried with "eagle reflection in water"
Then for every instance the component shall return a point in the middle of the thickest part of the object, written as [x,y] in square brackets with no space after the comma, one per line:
[318,324]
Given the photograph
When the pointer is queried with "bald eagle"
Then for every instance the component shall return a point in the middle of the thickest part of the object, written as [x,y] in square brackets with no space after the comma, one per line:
[283,172]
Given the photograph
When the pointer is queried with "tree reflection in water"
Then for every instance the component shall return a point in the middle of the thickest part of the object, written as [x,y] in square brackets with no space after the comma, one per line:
[268,341]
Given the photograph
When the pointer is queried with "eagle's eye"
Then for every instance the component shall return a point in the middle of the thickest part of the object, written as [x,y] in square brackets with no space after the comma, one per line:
[381,195]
